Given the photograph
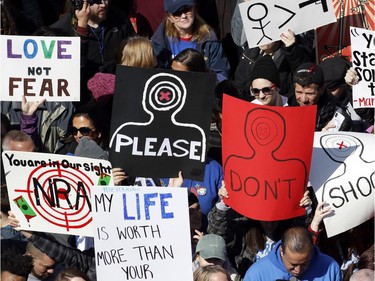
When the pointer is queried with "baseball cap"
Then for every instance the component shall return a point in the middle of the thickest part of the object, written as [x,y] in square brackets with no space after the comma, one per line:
[212,246]
[171,6]
[309,73]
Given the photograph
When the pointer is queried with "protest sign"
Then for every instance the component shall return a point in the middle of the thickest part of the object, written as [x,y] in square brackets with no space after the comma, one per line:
[363,59]
[264,20]
[343,175]
[334,38]
[52,193]
[266,158]
[40,67]
[142,233]
[160,122]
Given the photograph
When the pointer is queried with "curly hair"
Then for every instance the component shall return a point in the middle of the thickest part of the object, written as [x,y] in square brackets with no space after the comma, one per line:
[16,264]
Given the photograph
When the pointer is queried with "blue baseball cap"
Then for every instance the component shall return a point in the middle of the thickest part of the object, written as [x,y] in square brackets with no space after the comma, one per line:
[171,6]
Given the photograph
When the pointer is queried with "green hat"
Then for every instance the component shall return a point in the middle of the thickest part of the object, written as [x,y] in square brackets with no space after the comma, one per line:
[212,246]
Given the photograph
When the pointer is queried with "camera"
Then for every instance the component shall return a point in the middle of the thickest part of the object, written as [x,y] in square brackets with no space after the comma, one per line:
[78,4]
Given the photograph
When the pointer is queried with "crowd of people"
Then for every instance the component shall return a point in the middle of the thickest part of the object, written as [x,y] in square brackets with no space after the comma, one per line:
[183,35]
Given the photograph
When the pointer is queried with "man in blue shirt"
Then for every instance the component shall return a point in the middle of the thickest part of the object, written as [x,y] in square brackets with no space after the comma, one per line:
[295,258]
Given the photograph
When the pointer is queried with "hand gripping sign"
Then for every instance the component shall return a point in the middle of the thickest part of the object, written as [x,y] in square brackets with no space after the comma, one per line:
[266,158]
[160,122]
[343,175]
[52,193]
[264,21]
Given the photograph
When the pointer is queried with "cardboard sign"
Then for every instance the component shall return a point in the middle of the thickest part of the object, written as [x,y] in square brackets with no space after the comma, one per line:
[265,20]
[40,67]
[363,59]
[160,122]
[150,237]
[51,192]
[334,38]
[266,158]
[343,175]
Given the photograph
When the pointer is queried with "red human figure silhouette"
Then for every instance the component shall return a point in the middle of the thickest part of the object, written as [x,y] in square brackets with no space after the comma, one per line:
[264,185]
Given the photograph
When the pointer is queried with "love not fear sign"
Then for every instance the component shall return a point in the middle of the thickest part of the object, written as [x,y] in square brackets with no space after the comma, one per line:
[40,67]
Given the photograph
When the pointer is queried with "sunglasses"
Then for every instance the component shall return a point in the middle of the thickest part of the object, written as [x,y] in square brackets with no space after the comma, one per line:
[187,10]
[265,90]
[85,131]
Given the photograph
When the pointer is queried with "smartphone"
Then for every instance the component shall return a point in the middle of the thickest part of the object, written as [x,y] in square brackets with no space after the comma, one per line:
[337,120]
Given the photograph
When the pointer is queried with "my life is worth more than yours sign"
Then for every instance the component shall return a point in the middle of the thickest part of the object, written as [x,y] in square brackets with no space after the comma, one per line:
[265,20]
[266,158]
[40,67]
[363,59]
[160,122]
[52,193]
[142,233]
[343,175]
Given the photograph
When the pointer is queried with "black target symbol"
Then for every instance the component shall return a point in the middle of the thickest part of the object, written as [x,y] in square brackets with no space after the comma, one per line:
[61,196]
[264,130]
[165,91]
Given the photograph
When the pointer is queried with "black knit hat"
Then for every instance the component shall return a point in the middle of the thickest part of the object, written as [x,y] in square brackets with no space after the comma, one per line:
[265,68]
[309,73]
[334,70]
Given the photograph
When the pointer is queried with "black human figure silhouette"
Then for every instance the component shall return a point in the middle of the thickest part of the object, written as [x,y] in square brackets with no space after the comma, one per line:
[339,147]
[161,146]
[350,188]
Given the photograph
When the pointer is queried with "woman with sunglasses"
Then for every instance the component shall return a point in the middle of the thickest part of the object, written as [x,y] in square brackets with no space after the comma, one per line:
[183,28]
[265,83]
[88,122]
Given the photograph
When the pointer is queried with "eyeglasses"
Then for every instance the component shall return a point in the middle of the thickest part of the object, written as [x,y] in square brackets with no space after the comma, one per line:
[85,131]
[266,90]
[187,10]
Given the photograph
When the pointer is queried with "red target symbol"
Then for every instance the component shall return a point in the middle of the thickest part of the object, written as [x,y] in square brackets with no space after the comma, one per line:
[60,194]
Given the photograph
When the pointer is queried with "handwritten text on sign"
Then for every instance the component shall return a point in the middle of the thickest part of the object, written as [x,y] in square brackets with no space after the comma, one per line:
[40,67]
[264,21]
[149,237]
[52,193]
[363,46]
[343,175]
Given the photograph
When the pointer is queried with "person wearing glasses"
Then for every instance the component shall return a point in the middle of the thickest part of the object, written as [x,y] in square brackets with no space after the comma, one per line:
[183,28]
[265,83]
[87,125]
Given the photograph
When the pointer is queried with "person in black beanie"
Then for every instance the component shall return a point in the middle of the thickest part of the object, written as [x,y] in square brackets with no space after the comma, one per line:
[335,69]
[265,83]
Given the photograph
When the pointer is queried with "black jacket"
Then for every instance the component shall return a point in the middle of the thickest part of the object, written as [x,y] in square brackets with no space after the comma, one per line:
[101,48]
[327,106]
[286,59]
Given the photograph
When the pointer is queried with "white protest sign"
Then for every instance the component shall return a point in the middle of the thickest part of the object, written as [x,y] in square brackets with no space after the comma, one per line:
[363,59]
[51,192]
[265,20]
[40,67]
[142,233]
[343,175]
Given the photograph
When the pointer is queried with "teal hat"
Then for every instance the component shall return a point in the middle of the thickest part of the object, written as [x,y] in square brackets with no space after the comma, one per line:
[212,246]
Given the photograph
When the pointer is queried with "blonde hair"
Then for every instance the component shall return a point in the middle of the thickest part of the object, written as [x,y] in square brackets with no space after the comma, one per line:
[137,51]
[204,273]
[200,28]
